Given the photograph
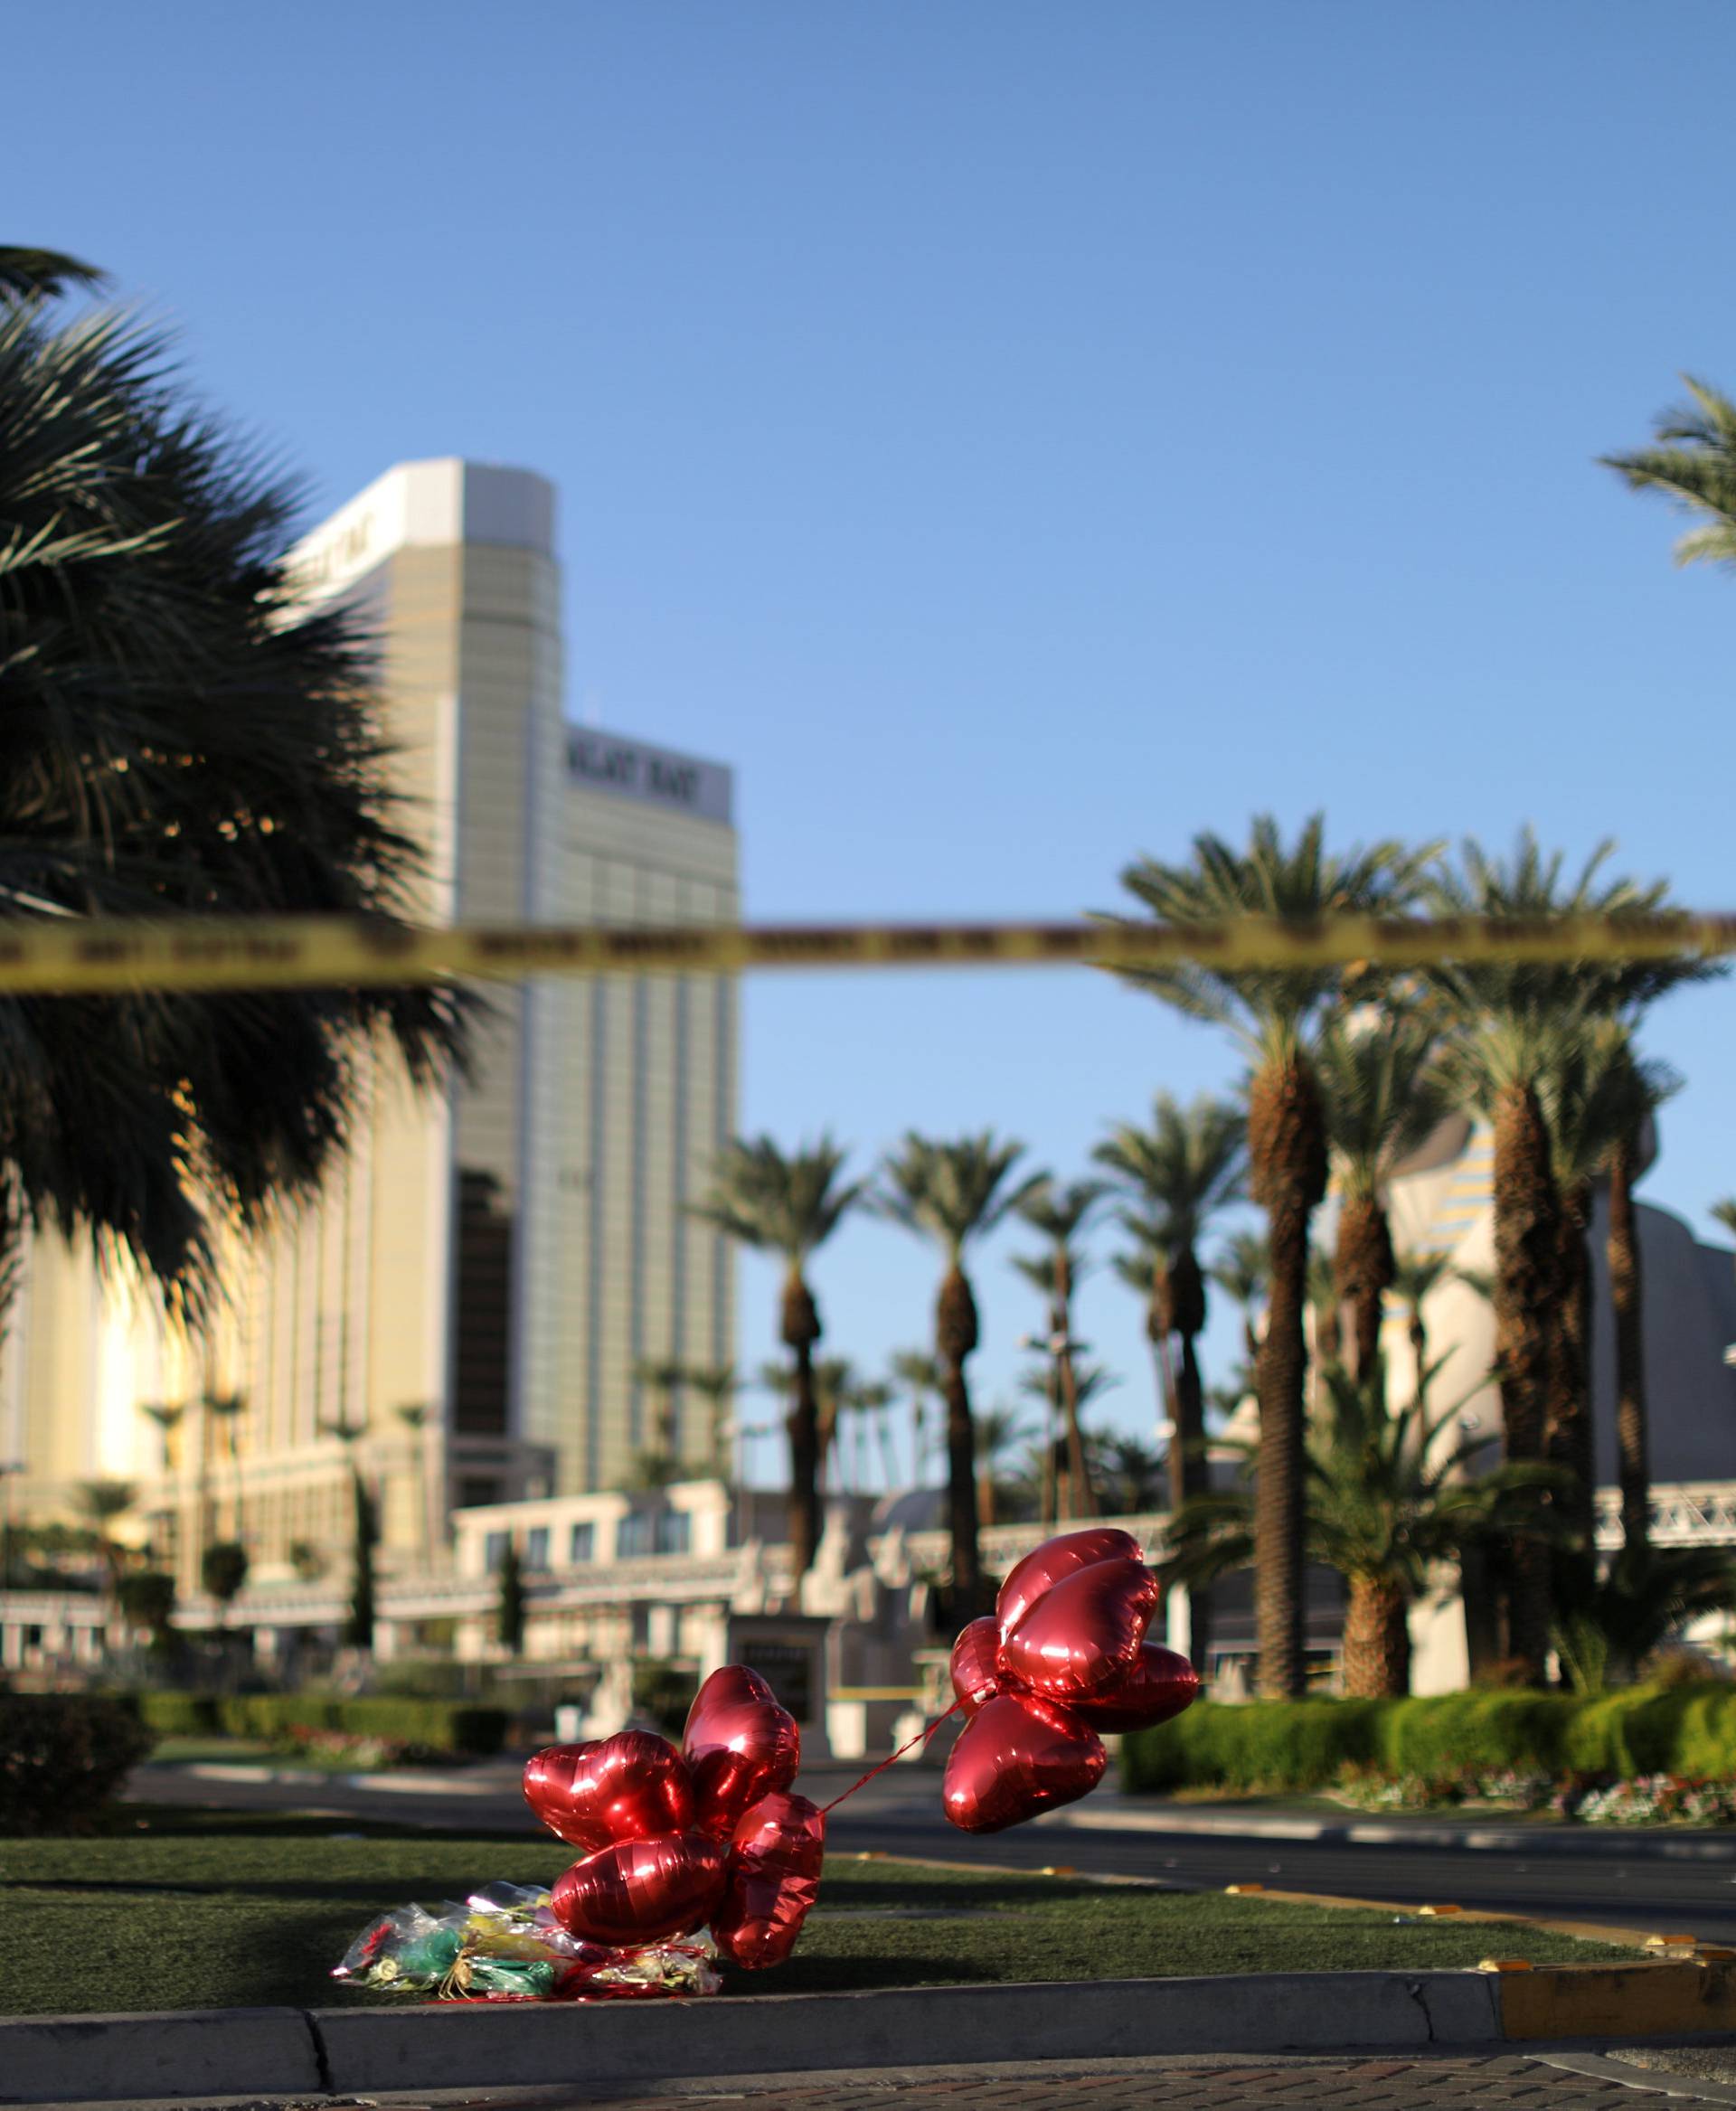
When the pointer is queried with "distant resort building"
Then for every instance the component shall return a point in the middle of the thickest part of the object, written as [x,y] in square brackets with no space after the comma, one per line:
[483,1275]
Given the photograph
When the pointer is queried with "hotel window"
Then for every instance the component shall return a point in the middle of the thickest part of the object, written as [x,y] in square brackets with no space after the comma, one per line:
[536,1547]
[581,1544]
[635,1534]
[675,1529]
[493,1549]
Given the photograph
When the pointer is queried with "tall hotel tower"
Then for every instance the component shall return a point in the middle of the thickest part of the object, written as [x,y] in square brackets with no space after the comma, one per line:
[484,1272]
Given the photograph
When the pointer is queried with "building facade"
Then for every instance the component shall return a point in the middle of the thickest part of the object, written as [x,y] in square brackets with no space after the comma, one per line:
[462,1314]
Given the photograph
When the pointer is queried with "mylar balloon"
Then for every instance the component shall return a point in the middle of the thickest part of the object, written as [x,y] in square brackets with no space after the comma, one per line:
[975,1677]
[630,1786]
[676,1840]
[774,1878]
[1081,1637]
[740,1745]
[1044,1566]
[1016,1757]
[1161,1683]
[1064,1657]
[642,1891]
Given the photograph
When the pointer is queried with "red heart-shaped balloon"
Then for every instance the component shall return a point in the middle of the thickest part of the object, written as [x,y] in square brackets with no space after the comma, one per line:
[1082,1636]
[976,1676]
[642,1891]
[1016,1756]
[1044,1566]
[774,1878]
[1161,1683]
[741,1745]
[630,1786]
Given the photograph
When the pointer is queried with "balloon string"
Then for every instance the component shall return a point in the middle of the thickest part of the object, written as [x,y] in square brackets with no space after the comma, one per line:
[921,1737]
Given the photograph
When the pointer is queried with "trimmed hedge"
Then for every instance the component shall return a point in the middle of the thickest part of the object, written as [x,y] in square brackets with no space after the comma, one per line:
[428,1726]
[1290,1745]
[62,1755]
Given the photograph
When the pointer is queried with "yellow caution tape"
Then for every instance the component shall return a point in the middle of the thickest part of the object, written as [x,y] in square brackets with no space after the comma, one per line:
[88,956]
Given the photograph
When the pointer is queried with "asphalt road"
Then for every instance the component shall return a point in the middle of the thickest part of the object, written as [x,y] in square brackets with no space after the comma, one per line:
[899,1814]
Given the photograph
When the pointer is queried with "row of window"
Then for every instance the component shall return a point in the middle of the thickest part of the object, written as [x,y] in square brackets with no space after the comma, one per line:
[643,1532]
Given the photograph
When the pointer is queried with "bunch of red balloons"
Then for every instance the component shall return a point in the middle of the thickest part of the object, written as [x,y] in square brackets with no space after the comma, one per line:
[675,1840]
[709,1835]
[1062,1656]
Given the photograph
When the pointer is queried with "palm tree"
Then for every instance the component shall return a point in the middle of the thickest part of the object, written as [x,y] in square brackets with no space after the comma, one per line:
[955,1192]
[1243,1272]
[227,1410]
[1694,465]
[1059,1215]
[1507,1023]
[1185,1169]
[1137,1474]
[999,1434]
[222,1570]
[867,1403]
[790,1206]
[1594,1098]
[366,1535]
[181,738]
[1038,1383]
[42,274]
[1384,1092]
[1647,1593]
[835,1381]
[919,1373]
[663,1377]
[102,1501]
[1415,1276]
[1328,1346]
[1188,1166]
[167,1416]
[419,1419]
[717,1385]
[1274,1015]
[1387,1502]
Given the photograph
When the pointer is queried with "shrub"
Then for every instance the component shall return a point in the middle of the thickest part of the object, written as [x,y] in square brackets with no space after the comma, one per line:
[1683,1730]
[665,1692]
[178,1715]
[421,1726]
[1476,1732]
[62,1755]
[1262,1745]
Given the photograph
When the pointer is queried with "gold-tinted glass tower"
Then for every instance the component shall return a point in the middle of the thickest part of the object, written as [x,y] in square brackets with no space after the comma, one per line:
[484,1272]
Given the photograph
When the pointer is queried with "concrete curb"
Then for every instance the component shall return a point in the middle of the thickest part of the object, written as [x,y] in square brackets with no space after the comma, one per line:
[1623,1843]
[452,2045]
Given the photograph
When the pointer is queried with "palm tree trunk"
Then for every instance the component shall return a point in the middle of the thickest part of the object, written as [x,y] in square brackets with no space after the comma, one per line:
[1626,1294]
[800,1329]
[1288,1154]
[1567,1434]
[1080,1499]
[955,1335]
[1365,1267]
[1527,1214]
[803,1427]
[1190,1470]
[1377,1640]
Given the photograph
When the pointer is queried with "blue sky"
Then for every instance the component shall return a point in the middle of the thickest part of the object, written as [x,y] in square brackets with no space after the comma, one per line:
[1016,437]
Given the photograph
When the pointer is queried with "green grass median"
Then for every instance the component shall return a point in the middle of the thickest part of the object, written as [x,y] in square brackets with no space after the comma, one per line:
[203,1909]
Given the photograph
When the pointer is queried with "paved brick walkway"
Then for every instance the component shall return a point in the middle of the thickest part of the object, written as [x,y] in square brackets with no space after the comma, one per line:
[1335,2084]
